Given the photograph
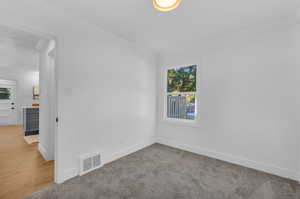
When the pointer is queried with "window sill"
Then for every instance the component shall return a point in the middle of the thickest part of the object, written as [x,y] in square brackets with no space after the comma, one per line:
[178,122]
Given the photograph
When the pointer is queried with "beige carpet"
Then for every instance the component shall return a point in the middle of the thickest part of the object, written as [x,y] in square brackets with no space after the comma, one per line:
[161,172]
[31,139]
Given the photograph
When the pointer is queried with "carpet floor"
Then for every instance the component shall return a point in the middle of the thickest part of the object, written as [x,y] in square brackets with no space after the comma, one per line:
[161,172]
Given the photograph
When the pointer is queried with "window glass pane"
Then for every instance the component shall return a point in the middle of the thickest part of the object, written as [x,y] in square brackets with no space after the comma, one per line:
[182,79]
[4,93]
[181,106]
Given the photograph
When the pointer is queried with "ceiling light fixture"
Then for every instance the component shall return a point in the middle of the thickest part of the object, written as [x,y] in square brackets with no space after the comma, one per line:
[165,5]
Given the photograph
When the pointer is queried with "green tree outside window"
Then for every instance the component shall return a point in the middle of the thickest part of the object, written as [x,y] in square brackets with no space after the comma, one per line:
[182,79]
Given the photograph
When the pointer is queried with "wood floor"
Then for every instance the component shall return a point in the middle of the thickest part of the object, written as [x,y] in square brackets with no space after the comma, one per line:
[22,168]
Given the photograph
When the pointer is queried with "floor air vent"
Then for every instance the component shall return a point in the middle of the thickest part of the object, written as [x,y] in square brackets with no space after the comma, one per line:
[89,162]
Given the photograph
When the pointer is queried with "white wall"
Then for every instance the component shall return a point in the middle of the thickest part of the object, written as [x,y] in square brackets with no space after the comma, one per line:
[248,100]
[296,39]
[106,86]
[106,96]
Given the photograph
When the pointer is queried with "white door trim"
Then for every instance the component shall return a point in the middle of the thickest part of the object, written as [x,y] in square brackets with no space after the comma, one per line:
[50,36]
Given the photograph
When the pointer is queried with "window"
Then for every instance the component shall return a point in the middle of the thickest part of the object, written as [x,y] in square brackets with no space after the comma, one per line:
[4,93]
[181,93]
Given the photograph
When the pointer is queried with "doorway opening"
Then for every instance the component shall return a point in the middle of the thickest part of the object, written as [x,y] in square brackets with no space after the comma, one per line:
[27,111]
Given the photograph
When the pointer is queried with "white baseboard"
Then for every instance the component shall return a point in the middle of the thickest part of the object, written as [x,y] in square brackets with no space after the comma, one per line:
[46,155]
[272,169]
[73,172]
[125,152]
[66,175]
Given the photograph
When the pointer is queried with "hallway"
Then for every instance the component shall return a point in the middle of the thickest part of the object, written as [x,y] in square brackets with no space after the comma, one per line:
[22,168]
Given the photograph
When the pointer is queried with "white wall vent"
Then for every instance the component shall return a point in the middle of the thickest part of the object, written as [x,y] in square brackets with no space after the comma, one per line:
[89,162]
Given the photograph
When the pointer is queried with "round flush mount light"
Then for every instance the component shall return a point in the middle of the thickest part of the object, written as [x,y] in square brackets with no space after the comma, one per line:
[165,5]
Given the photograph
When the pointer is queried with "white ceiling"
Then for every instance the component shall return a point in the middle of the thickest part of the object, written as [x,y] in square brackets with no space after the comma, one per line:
[18,50]
[193,20]
[19,37]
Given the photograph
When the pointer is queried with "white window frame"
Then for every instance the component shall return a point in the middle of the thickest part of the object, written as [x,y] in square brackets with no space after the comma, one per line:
[178,121]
